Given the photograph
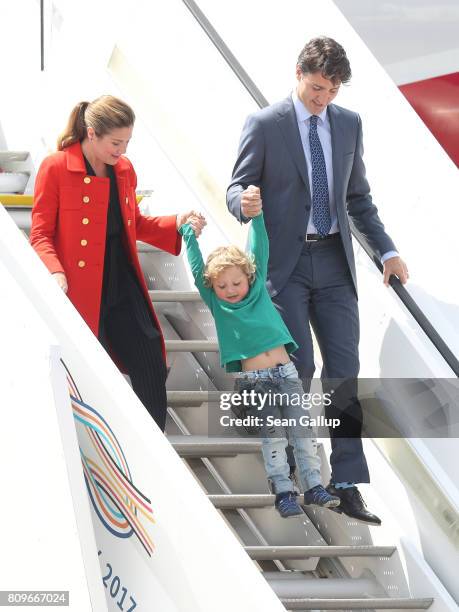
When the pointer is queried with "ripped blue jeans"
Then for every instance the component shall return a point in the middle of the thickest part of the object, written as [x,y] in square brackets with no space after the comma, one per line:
[283,380]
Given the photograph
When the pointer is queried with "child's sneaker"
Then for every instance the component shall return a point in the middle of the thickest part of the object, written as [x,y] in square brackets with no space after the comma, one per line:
[287,506]
[320,497]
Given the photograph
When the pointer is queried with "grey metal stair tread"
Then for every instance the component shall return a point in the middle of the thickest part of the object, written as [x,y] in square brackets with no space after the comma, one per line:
[242,501]
[202,446]
[296,585]
[378,603]
[192,346]
[166,295]
[192,398]
[21,215]
[143,247]
[266,553]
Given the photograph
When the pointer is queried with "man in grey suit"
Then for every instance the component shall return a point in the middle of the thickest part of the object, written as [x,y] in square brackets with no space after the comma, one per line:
[304,156]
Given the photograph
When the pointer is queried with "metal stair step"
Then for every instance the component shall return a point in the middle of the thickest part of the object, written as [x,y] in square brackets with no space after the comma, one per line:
[160,295]
[202,446]
[21,215]
[242,501]
[192,346]
[268,553]
[143,247]
[371,603]
[296,585]
[192,398]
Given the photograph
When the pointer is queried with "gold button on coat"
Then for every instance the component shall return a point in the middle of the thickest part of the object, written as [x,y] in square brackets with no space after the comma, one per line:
[84,242]
[127,200]
[87,180]
[85,199]
[129,222]
[85,221]
[81,263]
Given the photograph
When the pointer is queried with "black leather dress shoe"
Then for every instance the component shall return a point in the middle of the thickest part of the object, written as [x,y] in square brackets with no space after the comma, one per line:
[352,505]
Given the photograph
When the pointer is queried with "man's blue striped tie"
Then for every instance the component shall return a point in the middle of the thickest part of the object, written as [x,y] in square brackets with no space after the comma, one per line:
[320,200]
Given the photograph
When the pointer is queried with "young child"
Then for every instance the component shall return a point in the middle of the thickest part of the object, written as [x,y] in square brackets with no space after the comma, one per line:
[254,340]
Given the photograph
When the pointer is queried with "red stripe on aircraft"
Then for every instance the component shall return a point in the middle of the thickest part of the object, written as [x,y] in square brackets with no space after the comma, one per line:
[437,103]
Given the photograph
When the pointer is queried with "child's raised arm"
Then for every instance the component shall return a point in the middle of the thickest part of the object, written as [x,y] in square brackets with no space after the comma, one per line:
[259,245]
[196,261]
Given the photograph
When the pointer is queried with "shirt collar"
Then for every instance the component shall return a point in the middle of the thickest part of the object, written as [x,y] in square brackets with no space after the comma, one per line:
[302,113]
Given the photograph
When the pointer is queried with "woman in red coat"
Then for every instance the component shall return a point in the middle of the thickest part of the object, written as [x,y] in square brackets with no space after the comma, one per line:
[85,223]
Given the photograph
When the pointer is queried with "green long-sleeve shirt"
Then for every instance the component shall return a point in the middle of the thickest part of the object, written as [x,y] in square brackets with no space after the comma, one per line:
[247,328]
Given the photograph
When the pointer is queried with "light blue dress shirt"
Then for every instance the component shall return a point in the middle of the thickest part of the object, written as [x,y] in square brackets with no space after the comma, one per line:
[324,133]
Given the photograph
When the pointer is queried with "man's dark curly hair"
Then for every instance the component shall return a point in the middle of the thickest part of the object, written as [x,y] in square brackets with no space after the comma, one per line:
[325,55]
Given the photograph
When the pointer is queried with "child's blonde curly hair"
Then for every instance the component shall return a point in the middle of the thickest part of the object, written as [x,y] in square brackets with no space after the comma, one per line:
[225,257]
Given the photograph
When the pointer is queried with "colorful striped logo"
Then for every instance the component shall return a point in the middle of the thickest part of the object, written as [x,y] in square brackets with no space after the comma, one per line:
[121,507]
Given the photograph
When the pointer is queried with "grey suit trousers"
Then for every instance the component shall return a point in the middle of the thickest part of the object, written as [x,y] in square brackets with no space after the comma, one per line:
[320,294]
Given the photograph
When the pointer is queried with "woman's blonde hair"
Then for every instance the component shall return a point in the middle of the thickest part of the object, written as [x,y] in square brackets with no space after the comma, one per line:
[103,115]
[224,257]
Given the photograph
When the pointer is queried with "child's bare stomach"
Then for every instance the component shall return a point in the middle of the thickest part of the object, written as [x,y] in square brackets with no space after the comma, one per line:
[268,359]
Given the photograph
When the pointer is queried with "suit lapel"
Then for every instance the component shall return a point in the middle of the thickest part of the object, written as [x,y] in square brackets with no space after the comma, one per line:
[121,180]
[288,125]
[338,143]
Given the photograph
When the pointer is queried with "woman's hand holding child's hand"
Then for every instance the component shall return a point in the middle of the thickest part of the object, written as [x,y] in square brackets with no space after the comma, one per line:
[195,219]
[198,223]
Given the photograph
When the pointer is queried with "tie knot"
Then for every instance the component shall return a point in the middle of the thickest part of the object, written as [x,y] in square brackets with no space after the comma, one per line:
[313,119]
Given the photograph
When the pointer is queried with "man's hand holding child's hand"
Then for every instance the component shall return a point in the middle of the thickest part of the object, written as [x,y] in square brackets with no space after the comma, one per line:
[251,202]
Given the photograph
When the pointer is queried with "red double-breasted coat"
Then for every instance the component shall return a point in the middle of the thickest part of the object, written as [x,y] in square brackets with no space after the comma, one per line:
[69,222]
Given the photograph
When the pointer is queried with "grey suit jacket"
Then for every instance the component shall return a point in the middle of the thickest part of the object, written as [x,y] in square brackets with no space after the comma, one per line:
[271,157]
